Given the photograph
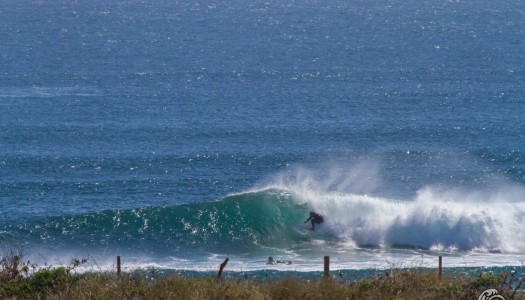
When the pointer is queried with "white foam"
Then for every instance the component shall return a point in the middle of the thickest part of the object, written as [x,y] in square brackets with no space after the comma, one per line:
[437,218]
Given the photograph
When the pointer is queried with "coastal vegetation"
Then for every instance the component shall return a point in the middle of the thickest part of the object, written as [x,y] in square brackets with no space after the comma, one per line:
[23,280]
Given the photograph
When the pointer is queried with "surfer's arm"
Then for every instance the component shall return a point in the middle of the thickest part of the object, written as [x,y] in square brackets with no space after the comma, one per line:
[307,220]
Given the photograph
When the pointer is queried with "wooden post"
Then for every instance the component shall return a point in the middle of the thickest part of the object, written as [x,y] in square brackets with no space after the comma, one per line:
[118,265]
[16,262]
[326,266]
[219,276]
[440,270]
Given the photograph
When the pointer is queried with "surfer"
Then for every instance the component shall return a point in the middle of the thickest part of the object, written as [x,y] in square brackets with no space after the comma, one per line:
[316,219]
[271,261]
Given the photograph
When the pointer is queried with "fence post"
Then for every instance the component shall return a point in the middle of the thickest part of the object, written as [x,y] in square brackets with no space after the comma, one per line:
[16,262]
[326,266]
[440,270]
[219,276]
[118,265]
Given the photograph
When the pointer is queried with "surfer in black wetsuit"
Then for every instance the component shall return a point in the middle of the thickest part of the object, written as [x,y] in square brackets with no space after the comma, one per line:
[316,219]
[271,261]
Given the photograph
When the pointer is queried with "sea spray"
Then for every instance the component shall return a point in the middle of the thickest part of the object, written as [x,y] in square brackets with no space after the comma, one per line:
[438,217]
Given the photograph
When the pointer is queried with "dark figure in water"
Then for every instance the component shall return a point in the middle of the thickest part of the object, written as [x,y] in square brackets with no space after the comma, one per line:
[316,219]
[271,261]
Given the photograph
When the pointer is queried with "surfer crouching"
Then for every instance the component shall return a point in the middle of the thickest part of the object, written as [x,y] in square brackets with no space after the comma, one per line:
[316,219]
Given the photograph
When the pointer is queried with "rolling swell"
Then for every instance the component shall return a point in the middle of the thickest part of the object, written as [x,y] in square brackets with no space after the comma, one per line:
[270,218]
[235,223]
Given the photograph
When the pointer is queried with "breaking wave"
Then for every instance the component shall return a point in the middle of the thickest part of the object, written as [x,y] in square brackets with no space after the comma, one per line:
[273,217]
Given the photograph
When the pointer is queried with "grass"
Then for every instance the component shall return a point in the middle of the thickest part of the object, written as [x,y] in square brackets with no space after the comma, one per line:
[25,281]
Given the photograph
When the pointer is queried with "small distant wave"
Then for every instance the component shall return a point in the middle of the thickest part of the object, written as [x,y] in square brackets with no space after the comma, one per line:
[48,92]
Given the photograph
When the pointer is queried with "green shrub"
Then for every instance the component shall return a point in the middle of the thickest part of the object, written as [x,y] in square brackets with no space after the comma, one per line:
[49,279]
[20,289]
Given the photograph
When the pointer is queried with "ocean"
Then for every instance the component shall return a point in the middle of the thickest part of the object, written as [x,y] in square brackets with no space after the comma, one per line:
[177,134]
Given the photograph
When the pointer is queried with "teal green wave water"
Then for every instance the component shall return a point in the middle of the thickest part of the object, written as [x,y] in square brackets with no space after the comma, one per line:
[241,222]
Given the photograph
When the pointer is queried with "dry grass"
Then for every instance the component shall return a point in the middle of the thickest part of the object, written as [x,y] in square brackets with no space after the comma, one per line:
[17,282]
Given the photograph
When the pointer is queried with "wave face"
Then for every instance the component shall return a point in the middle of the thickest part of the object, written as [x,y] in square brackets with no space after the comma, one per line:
[273,218]
[236,223]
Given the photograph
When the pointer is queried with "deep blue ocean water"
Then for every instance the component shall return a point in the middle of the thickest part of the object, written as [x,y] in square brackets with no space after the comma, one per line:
[178,133]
